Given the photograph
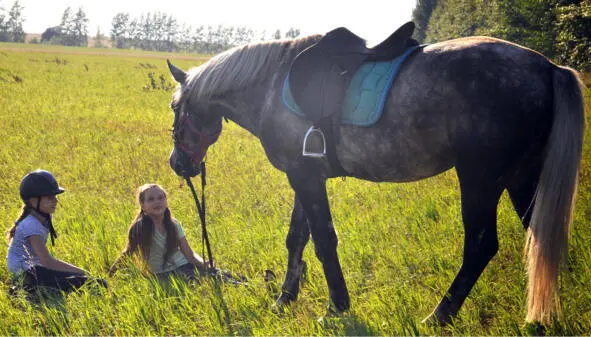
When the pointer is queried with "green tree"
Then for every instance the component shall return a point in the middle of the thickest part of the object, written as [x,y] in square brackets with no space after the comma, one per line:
[574,34]
[66,28]
[80,29]
[73,28]
[242,35]
[119,29]
[133,33]
[527,22]
[459,18]
[530,23]
[198,39]
[559,29]
[170,33]
[420,16]
[98,39]
[147,32]
[3,27]
[183,39]
[292,33]
[277,35]
[14,23]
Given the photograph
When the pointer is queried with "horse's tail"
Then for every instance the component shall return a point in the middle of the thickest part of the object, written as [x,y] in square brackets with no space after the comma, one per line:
[547,237]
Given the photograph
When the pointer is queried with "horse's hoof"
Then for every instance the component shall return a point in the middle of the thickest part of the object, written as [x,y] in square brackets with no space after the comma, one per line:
[284,300]
[333,311]
[332,315]
[535,328]
[278,309]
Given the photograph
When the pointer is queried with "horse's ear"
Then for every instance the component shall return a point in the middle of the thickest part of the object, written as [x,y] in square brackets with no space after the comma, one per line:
[178,74]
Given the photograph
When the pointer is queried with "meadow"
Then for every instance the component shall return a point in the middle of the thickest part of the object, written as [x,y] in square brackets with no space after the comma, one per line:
[99,120]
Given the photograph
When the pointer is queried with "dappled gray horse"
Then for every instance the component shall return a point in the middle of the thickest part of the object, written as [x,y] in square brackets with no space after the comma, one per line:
[504,116]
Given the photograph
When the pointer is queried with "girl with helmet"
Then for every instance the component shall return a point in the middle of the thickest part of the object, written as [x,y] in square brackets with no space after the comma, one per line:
[159,238]
[28,258]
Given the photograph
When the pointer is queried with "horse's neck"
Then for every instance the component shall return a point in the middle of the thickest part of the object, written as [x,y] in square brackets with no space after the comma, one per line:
[245,106]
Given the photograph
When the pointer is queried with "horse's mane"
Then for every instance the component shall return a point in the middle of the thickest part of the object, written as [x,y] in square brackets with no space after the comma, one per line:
[237,68]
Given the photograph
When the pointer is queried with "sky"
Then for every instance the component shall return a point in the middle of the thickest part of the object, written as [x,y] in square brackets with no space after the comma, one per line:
[373,20]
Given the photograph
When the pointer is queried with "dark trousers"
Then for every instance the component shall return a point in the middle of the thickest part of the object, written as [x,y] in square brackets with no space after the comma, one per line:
[192,272]
[187,271]
[38,277]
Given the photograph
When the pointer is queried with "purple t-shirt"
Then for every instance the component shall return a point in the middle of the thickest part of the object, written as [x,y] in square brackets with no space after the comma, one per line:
[21,256]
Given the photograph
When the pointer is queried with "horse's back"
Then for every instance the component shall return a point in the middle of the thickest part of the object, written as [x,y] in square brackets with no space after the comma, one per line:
[480,99]
[503,95]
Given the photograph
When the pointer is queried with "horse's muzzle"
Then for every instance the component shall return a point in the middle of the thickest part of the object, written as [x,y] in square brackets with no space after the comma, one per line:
[182,165]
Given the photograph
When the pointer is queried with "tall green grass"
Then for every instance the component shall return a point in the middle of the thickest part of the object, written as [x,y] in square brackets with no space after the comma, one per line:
[96,122]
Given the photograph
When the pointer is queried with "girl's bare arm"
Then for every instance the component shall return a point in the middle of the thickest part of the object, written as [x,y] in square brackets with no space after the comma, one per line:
[48,261]
[189,254]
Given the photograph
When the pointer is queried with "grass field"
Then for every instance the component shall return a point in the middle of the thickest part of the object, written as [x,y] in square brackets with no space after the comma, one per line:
[101,126]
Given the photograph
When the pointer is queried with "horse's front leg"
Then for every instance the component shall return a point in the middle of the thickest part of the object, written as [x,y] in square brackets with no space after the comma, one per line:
[311,193]
[297,238]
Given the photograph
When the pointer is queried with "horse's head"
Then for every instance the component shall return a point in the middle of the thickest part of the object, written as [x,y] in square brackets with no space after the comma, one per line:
[193,129]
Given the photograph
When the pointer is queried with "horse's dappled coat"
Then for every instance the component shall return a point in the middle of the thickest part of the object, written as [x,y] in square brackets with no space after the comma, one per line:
[504,116]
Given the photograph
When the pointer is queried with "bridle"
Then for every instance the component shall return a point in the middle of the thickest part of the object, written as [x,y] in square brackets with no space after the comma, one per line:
[205,139]
[189,157]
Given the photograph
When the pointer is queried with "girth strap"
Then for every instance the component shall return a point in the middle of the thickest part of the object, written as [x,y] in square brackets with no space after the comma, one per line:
[331,127]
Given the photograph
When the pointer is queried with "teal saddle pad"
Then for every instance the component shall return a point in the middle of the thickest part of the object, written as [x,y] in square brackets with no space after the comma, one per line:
[367,92]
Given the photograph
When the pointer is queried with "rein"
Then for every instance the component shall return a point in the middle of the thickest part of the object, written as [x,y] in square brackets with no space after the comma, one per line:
[201,210]
[188,158]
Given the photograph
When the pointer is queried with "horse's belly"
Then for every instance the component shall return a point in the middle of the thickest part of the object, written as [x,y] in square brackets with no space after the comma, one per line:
[402,171]
[396,159]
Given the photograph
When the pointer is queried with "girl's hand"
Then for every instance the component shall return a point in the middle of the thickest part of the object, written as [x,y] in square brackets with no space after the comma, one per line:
[207,265]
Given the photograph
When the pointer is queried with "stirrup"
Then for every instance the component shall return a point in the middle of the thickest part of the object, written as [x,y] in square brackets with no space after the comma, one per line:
[307,153]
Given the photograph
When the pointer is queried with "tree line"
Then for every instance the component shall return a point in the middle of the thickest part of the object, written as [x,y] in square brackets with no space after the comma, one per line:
[162,32]
[11,23]
[150,31]
[559,29]
[72,31]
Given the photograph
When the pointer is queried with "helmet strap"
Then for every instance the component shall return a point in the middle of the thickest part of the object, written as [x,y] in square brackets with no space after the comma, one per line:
[47,223]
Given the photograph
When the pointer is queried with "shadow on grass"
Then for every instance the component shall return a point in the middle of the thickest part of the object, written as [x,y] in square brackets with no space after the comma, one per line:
[174,286]
[347,324]
[50,303]
[221,308]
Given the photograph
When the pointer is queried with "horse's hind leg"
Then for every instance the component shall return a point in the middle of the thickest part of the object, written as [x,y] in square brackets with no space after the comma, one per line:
[479,208]
[297,238]
[522,191]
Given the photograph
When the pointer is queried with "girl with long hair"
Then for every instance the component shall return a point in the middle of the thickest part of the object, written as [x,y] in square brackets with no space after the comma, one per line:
[159,238]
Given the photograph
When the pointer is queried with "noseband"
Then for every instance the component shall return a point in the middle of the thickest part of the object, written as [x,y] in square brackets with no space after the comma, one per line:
[205,139]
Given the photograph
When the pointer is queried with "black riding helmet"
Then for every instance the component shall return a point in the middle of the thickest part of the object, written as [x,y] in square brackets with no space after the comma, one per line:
[39,183]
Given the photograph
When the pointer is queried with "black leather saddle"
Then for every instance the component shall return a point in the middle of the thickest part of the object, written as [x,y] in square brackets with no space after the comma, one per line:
[320,75]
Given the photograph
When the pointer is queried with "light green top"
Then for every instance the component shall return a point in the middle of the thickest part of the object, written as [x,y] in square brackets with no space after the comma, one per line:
[158,248]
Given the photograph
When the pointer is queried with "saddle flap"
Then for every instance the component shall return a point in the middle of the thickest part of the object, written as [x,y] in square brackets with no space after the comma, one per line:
[315,83]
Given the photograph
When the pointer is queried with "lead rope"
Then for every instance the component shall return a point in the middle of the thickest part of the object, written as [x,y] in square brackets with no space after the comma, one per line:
[201,210]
